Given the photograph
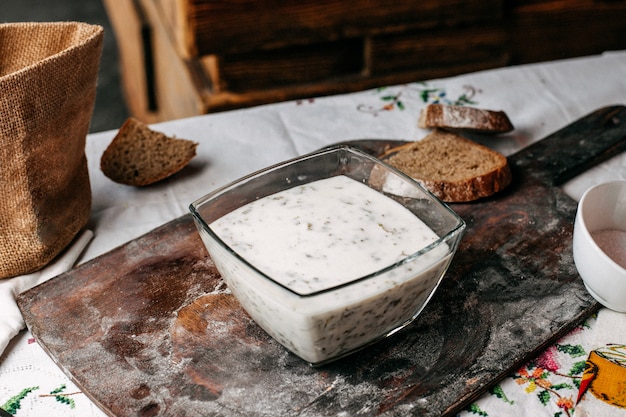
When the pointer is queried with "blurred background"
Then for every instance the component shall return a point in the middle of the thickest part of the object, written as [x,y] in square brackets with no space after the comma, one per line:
[169,59]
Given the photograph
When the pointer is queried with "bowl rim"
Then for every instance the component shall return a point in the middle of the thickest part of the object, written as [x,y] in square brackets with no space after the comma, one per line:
[458,229]
[584,228]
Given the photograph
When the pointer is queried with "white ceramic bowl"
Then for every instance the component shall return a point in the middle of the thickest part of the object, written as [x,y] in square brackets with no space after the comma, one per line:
[600,243]
[317,315]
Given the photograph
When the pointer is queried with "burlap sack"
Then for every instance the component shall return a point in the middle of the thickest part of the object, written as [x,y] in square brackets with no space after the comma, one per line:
[48,74]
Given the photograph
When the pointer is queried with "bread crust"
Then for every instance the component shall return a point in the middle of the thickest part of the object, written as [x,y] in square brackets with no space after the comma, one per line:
[488,172]
[140,156]
[470,119]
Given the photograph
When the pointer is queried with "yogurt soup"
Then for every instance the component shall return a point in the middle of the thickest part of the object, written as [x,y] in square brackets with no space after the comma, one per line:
[316,242]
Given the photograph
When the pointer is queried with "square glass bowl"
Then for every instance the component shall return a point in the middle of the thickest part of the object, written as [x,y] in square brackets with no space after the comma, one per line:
[344,250]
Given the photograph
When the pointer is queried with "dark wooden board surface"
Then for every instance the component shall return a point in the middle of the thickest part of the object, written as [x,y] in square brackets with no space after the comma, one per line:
[149,329]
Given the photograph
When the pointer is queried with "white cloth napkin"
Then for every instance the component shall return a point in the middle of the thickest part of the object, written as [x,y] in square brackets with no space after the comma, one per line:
[11,320]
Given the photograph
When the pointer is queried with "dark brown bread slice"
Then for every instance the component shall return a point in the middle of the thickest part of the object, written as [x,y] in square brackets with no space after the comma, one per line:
[469,119]
[453,168]
[141,156]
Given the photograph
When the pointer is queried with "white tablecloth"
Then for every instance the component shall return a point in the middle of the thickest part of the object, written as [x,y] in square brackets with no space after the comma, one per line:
[539,99]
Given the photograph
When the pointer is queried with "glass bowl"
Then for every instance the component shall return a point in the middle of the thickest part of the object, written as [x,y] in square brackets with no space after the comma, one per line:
[329,252]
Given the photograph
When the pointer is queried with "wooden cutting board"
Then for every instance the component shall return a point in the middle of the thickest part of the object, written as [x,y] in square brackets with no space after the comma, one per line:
[149,328]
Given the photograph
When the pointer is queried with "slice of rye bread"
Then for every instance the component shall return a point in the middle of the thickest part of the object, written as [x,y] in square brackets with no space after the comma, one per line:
[140,156]
[453,168]
[470,119]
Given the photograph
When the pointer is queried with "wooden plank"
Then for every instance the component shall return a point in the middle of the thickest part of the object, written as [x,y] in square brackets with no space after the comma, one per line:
[148,328]
[548,30]
[203,27]
[133,35]
[157,84]
[484,45]
[313,63]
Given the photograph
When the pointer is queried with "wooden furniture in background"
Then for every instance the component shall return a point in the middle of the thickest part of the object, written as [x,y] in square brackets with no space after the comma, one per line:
[182,58]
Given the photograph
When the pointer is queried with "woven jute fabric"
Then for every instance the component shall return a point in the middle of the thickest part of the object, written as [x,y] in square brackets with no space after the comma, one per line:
[48,77]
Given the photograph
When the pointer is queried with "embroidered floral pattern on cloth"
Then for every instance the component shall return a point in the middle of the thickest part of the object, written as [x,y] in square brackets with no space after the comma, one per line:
[547,385]
[424,92]
[43,390]
[603,386]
